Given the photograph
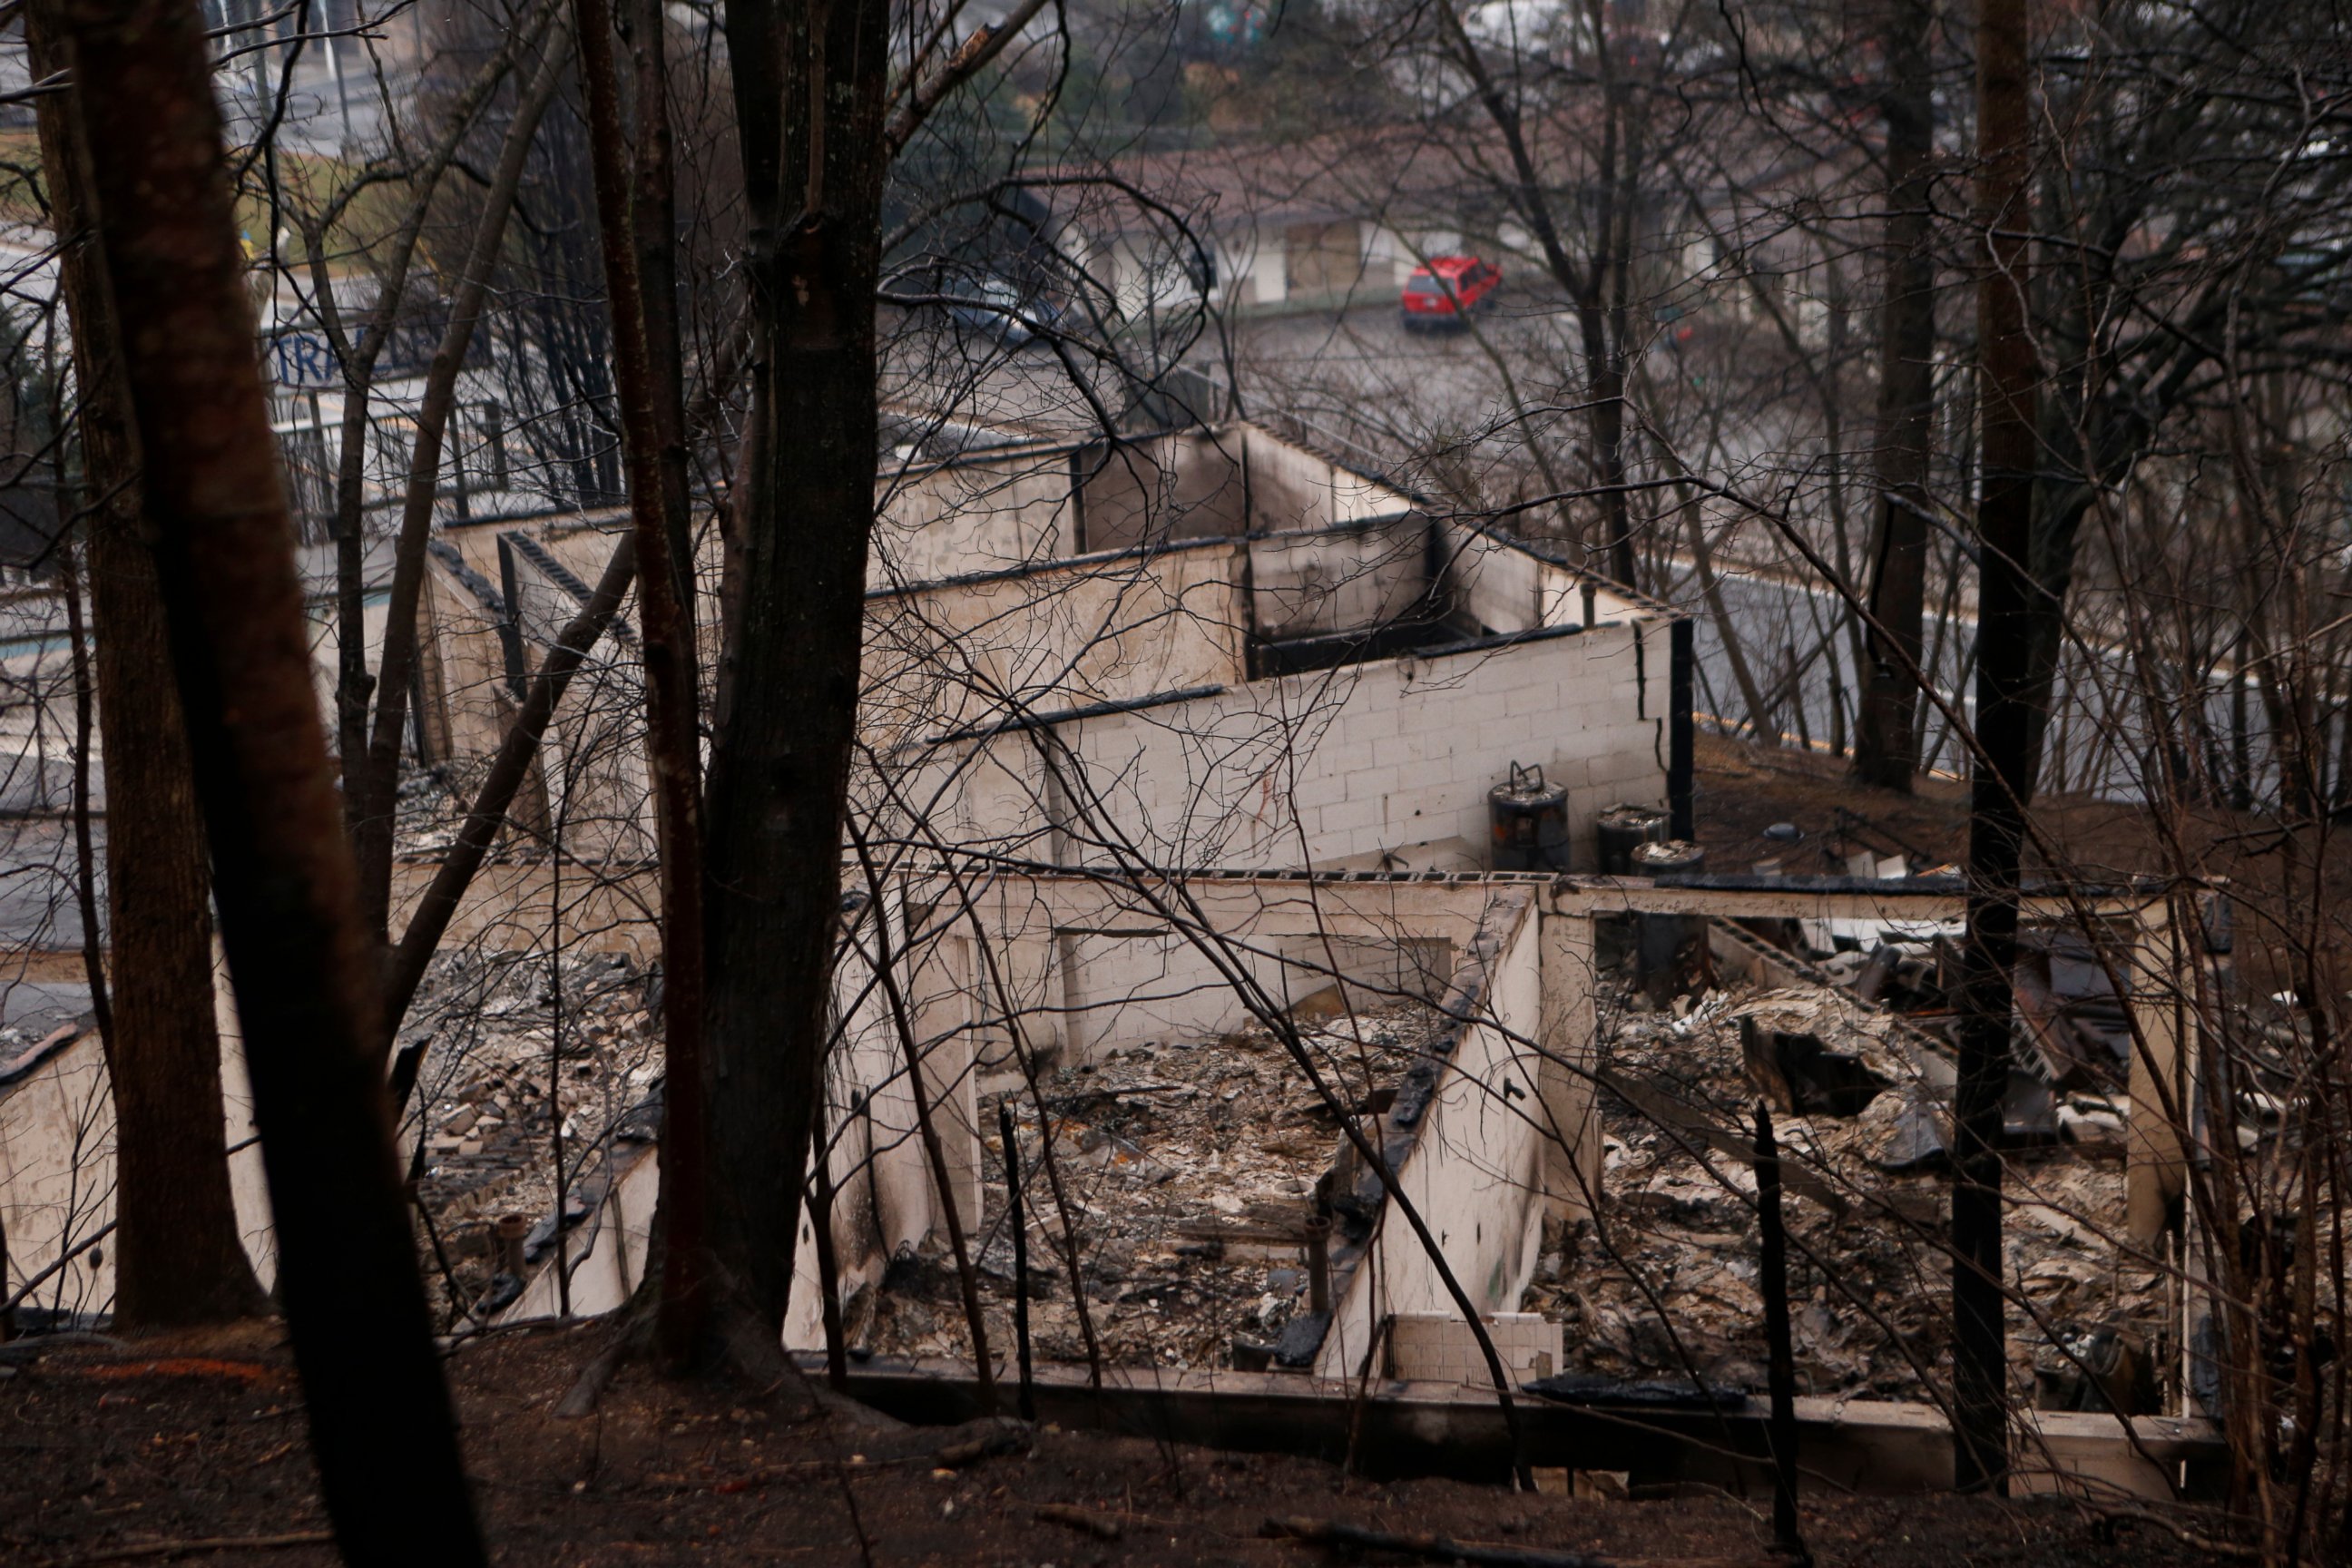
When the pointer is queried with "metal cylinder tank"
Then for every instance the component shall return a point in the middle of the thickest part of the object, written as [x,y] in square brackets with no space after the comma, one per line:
[1666,857]
[1531,821]
[1672,949]
[1621,829]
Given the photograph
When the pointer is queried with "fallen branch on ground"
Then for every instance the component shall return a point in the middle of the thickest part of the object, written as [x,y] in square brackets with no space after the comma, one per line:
[1438,1549]
[1102,1526]
[201,1544]
[998,1438]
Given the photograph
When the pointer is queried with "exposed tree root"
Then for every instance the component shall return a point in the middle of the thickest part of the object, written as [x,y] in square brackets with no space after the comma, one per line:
[579,1401]
[739,1347]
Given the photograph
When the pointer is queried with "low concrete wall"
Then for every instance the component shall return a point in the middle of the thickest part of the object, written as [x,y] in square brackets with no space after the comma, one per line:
[1466,1148]
[57,1171]
[1390,1428]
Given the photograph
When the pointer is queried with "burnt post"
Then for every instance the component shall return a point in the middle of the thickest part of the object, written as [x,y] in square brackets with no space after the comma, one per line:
[1020,1218]
[828,1266]
[1781,1362]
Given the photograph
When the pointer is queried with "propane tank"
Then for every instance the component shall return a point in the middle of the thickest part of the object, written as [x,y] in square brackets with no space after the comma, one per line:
[1672,949]
[1531,821]
[1622,827]
[1666,857]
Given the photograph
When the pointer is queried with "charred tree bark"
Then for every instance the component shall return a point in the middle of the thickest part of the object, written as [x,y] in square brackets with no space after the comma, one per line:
[653,421]
[2000,783]
[1885,749]
[177,1257]
[653,234]
[93,931]
[306,983]
[809,84]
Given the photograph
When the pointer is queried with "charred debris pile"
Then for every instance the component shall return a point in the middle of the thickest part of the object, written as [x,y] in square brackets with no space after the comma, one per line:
[1844,1029]
[1190,1171]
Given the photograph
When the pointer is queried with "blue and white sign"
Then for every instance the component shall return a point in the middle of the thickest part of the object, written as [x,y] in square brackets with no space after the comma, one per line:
[303,361]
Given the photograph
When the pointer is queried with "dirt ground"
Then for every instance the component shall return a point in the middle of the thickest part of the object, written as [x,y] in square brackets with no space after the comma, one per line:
[107,1451]
[1742,788]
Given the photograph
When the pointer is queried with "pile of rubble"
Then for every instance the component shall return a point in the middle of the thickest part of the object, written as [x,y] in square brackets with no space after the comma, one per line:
[429,811]
[522,1082]
[1665,1284]
[1189,1170]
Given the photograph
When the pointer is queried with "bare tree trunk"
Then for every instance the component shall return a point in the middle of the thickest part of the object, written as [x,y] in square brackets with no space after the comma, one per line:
[809,84]
[93,931]
[1601,288]
[1884,754]
[373,802]
[2000,786]
[653,230]
[1606,319]
[304,970]
[653,421]
[177,1256]
[358,357]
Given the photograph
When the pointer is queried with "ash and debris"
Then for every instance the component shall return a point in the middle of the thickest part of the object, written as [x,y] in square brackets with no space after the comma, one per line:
[1190,1169]
[430,810]
[1666,1284]
[512,1057]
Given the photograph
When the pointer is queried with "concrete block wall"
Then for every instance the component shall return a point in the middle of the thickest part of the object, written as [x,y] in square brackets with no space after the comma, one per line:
[467,702]
[1568,1031]
[1495,583]
[1176,487]
[976,514]
[1291,487]
[870,1098]
[605,1253]
[1319,768]
[56,1168]
[1312,584]
[1440,1348]
[591,763]
[1477,1160]
[944,658]
[1088,970]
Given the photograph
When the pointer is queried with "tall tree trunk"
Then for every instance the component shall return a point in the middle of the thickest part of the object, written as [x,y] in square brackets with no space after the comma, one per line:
[2000,783]
[305,985]
[653,231]
[1884,752]
[653,419]
[810,83]
[177,1253]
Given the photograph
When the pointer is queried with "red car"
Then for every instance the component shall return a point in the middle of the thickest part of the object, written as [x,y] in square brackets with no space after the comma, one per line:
[1441,293]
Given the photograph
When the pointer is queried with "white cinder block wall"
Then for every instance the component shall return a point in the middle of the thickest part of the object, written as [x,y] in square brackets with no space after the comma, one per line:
[1476,1169]
[1439,1347]
[1313,769]
[57,1171]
